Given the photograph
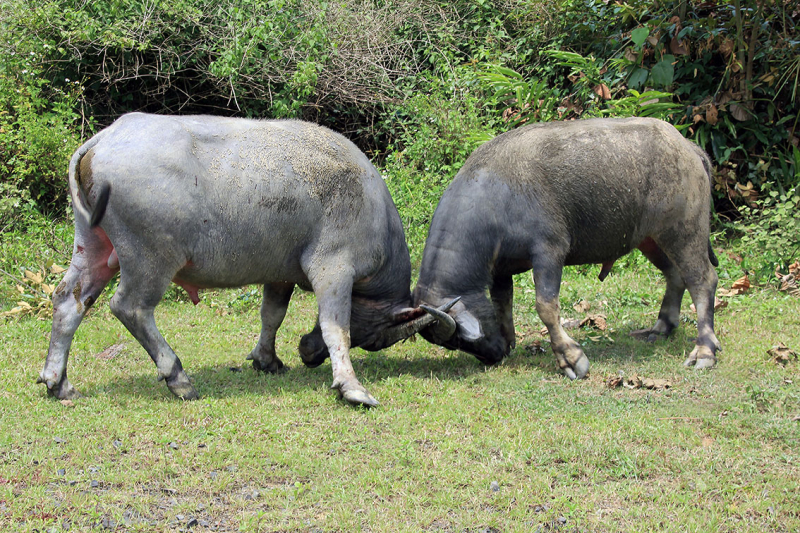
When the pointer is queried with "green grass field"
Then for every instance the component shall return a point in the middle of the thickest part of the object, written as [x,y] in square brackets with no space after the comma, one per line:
[453,447]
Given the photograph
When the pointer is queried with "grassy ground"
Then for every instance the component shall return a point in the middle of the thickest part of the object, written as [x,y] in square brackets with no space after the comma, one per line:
[453,447]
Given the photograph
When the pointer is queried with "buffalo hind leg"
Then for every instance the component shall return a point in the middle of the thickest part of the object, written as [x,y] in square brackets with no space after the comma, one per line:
[692,261]
[273,311]
[85,279]
[571,359]
[334,288]
[669,314]
[502,294]
[133,305]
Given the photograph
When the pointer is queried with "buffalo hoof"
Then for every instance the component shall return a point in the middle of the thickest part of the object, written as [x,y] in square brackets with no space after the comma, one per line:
[181,387]
[275,366]
[313,350]
[354,393]
[704,363]
[700,358]
[579,369]
[700,364]
[357,397]
[62,390]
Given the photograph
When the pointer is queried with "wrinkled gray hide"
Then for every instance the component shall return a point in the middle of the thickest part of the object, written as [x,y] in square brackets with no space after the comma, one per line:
[569,193]
[216,202]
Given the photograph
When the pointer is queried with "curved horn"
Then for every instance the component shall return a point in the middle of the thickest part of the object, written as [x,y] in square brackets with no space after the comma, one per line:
[446,325]
[445,328]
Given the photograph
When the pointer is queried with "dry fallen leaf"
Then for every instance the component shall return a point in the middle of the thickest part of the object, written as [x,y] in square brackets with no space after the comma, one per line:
[726,47]
[602,91]
[782,354]
[711,115]
[707,442]
[636,382]
[657,384]
[739,286]
[35,277]
[739,111]
[789,284]
[582,306]
[789,281]
[633,382]
[67,403]
[677,47]
[595,321]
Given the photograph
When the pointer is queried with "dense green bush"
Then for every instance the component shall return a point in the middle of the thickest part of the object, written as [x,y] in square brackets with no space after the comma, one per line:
[39,129]
[416,84]
[770,231]
[734,68]
[434,134]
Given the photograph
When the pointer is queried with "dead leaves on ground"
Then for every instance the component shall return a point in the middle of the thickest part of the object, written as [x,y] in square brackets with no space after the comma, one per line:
[782,354]
[789,281]
[582,306]
[637,382]
[740,286]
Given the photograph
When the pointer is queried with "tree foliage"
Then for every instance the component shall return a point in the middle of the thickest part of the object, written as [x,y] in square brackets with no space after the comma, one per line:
[416,84]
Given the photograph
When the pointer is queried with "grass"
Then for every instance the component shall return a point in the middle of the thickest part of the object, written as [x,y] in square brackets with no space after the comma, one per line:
[454,446]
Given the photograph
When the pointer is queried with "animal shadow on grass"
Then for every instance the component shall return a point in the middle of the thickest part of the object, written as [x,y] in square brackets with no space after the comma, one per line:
[622,348]
[419,360]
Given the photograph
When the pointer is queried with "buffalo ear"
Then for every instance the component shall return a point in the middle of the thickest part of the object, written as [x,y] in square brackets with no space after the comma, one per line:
[469,327]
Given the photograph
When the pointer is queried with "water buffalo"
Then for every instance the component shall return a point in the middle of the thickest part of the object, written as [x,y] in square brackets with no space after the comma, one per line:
[217,202]
[569,193]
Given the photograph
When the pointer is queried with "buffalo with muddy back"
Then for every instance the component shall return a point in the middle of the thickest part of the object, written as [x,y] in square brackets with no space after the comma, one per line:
[218,202]
[568,193]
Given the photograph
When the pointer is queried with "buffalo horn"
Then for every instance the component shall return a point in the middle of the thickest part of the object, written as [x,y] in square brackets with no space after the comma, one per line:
[445,328]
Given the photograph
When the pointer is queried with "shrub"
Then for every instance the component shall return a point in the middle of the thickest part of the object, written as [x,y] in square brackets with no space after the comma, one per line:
[39,129]
[770,230]
[435,133]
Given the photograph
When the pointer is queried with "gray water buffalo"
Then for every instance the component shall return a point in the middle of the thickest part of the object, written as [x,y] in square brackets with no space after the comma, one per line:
[217,202]
[569,193]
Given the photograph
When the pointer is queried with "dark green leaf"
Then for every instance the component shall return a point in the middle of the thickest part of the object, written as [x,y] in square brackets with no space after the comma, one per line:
[663,71]
[639,35]
[638,78]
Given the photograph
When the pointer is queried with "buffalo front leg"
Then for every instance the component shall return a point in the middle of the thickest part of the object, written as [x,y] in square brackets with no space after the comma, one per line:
[83,282]
[133,305]
[571,359]
[334,296]
[502,293]
[273,311]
